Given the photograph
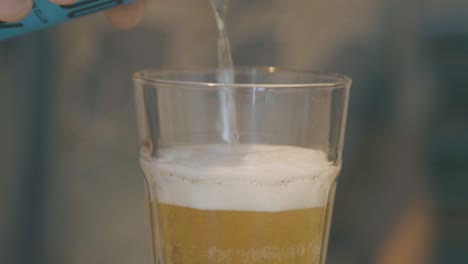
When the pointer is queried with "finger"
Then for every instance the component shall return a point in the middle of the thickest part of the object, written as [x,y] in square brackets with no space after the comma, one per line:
[14,10]
[63,2]
[126,16]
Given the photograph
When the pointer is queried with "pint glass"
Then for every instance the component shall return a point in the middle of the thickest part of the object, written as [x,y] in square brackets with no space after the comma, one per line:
[266,198]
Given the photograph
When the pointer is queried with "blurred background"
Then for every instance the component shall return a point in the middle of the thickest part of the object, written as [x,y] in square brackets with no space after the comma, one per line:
[70,188]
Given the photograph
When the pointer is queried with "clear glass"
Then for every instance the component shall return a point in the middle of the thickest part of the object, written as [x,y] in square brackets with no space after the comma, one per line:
[267,199]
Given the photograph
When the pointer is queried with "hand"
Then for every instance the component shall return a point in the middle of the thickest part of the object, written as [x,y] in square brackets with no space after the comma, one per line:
[122,17]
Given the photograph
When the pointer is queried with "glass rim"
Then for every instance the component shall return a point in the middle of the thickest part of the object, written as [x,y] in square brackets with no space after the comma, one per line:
[155,76]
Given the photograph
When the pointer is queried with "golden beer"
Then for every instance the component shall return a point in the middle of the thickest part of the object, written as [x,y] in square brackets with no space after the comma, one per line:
[259,204]
[213,236]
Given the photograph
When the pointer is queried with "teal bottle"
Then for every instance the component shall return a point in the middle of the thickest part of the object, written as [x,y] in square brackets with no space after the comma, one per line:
[45,14]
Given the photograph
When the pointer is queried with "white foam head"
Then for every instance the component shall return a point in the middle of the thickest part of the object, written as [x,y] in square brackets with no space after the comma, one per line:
[251,178]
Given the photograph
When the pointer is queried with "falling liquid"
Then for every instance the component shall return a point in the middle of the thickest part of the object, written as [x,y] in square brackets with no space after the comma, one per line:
[230,132]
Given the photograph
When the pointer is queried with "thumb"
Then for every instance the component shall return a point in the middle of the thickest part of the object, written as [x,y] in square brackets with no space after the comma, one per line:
[14,10]
[126,16]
